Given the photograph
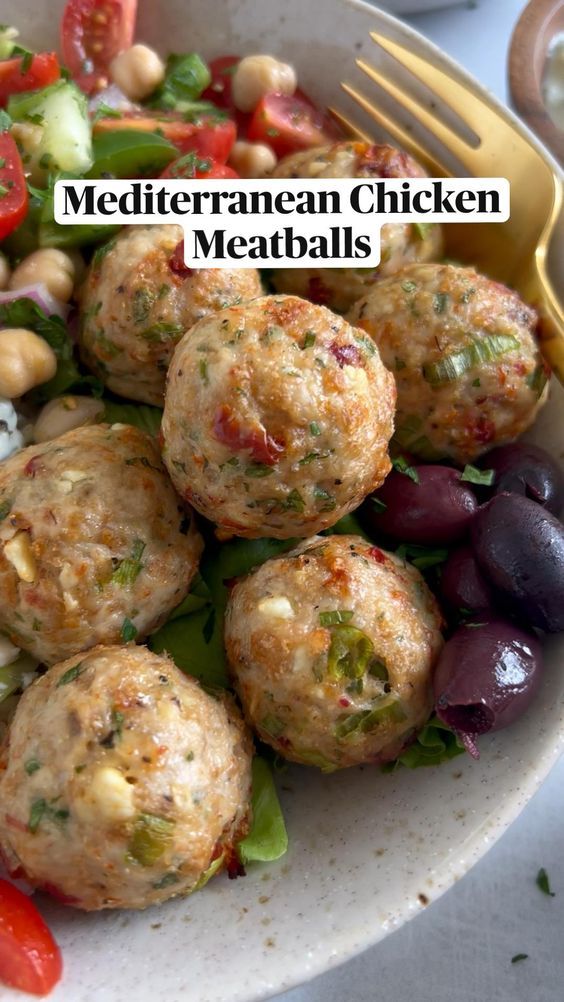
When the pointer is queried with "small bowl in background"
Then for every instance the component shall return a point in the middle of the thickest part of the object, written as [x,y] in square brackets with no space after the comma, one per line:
[535,33]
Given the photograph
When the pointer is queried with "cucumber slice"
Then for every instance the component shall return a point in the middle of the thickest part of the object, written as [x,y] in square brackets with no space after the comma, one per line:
[61,111]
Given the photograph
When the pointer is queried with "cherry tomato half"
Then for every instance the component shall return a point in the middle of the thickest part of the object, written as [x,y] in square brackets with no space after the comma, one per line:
[208,136]
[29,956]
[219,90]
[43,69]
[289,124]
[93,32]
[13,189]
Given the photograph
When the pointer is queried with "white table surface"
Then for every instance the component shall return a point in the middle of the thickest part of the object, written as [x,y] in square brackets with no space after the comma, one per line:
[460,948]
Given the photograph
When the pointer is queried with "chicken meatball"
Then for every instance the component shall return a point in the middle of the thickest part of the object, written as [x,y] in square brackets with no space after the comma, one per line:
[277,418]
[94,544]
[468,368]
[401,243]
[122,782]
[139,299]
[331,648]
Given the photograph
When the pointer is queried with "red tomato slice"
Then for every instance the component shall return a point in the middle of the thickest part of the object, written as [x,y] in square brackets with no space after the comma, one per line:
[219,90]
[13,189]
[189,166]
[29,957]
[93,32]
[208,136]
[288,124]
[15,77]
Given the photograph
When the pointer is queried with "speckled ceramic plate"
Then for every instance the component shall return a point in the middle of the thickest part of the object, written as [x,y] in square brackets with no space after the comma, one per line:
[367,851]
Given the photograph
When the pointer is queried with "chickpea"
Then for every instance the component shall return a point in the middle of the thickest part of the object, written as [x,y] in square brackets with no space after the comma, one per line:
[137,71]
[4,271]
[252,159]
[48,265]
[256,76]
[65,413]
[26,360]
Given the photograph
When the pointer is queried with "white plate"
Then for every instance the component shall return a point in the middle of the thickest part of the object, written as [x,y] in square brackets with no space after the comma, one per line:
[416,6]
[366,850]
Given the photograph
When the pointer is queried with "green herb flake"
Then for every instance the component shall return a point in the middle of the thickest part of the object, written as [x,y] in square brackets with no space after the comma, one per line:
[272,725]
[71,674]
[128,631]
[385,709]
[335,616]
[440,300]
[379,505]
[128,570]
[167,881]
[5,509]
[537,380]
[36,814]
[314,429]
[478,351]
[204,371]
[258,470]
[161,331]
[409,286]
[543,883]
[141,304]
[472,475]
[294,502]
[26,62]
[32,765]
[401,465]
[329,501]
[519,957]
[309,340]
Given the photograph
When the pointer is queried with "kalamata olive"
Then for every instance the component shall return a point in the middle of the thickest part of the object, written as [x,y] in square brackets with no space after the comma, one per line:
[437,509]
[463,585]
[523,468]
[487,675]
[519,547]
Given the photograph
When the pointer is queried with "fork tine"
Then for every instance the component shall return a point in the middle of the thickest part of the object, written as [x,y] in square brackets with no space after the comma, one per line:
[474,111]
[349,126]
[404,138]
[450,139]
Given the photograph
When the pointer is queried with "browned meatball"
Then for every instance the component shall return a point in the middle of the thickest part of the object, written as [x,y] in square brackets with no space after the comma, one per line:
[123,783]
[401,243]
[139,300]
[94,543]
[277,418]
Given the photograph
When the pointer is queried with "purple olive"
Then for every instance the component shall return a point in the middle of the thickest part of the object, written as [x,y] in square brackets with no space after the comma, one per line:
[438,509]
[463,585]
[519,547]
[487,675]
[523,468]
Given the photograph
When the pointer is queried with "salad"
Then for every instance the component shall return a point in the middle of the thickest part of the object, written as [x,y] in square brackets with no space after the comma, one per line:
[245,519]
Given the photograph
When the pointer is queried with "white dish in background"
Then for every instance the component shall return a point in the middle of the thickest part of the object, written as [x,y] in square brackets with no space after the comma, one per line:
[367,851]
[416,6]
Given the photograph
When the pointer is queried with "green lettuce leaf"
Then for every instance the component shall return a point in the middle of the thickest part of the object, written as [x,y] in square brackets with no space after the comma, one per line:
[435,744]
[267,839]
[195,644]
[140,415]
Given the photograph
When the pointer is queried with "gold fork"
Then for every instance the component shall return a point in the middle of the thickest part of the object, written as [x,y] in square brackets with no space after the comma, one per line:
[514,252]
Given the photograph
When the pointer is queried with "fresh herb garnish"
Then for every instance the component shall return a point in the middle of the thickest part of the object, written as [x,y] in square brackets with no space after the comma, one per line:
[128,631]
[518,957]
[334,616]
[473,475]
[401,465]
[543,882]
[71,674]
[31,766]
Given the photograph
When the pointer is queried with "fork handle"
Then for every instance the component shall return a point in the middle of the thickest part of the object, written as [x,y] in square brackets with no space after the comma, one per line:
[540,292]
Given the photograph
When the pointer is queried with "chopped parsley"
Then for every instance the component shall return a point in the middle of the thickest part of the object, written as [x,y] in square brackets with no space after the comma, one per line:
[314,428]
[472,475]
[309,340]
[31,766]
[71,674]
[401,465]
[543,882]
[518,957]
[128,631]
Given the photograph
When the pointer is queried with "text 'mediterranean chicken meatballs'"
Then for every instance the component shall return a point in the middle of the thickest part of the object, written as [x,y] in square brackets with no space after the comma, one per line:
[92,536]
[401,243]
[463,350]
[331,648]
[138,301]
[277,418]
[123,782]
